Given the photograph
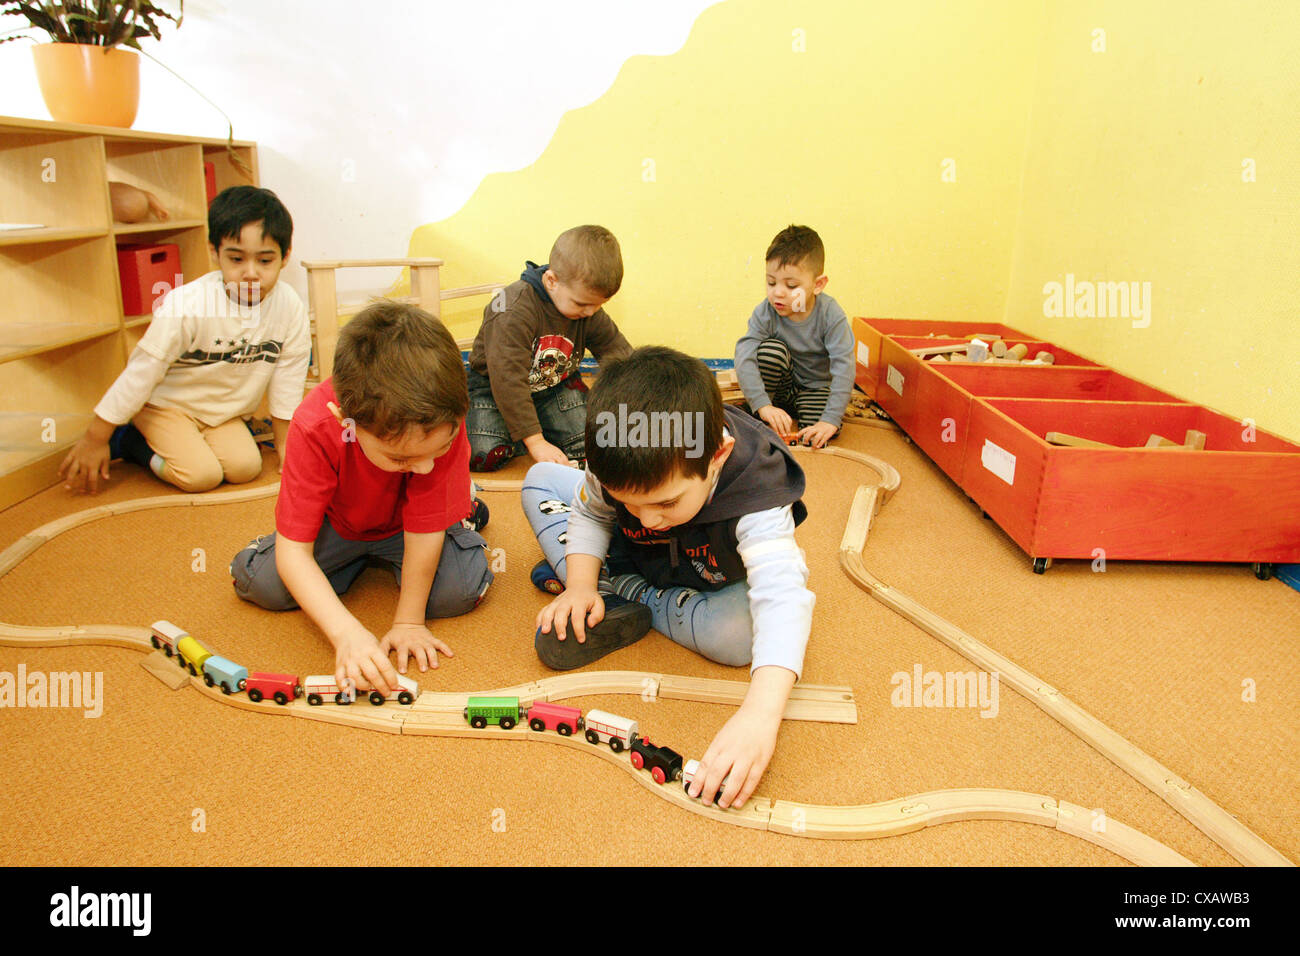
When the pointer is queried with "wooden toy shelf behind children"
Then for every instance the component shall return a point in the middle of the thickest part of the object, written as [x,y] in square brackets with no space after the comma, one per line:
[439,713]
[63,334]
[1224,491]
[325,310]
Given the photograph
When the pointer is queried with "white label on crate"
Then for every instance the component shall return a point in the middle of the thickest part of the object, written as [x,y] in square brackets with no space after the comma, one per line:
[864,354]
[895,379]
[999,461]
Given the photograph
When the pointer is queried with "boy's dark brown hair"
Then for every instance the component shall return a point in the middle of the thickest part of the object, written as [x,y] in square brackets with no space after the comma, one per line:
[794,245]
[653,381]
[398,367]
[588,255]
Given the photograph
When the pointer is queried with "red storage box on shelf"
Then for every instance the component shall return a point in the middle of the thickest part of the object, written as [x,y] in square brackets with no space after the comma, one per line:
[210,180]
[141,269]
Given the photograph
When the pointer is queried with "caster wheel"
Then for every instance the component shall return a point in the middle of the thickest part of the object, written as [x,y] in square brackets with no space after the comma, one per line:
[1262,571]
[1041,565]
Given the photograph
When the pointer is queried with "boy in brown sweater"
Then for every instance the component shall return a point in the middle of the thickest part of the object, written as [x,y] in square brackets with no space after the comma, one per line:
[525,390]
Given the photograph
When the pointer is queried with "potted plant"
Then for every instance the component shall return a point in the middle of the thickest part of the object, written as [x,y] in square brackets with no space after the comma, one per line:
[84,75]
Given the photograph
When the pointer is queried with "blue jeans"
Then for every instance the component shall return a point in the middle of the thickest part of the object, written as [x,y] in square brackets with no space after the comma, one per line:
[561,411]
[458,585]
[714,624]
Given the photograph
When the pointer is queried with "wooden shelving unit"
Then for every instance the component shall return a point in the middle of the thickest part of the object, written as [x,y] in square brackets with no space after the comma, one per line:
[63,337]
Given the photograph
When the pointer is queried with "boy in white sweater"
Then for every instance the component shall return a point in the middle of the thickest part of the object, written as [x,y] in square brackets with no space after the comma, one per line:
[214,347]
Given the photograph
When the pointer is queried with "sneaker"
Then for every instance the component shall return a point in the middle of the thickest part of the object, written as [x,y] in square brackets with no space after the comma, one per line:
[545,579]
[128,444]
[478,516]
[624,623]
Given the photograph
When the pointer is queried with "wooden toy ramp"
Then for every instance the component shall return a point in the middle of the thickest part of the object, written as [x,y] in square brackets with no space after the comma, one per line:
[440,713]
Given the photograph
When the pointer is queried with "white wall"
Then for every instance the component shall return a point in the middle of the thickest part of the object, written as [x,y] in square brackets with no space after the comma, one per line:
[370,125]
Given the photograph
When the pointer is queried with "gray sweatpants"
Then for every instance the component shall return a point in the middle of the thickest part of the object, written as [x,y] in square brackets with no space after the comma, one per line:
[459,583]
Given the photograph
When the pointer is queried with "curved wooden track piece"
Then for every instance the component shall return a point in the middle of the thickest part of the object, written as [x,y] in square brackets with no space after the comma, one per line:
[1215,822]
[440,714]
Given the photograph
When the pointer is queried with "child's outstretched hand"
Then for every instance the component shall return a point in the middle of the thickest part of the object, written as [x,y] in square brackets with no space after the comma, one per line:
[741,752]
[780,421]
[85,464]
[358,658]
[817,435]
[415,641]
[584,608]
[542,450]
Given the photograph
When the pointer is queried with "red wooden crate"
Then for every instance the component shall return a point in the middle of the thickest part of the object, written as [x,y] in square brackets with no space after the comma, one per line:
[1092,384]
[868,334]
[1237,500]
[985,426]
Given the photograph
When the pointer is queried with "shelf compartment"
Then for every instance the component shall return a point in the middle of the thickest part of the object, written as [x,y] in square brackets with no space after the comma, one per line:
[62,385]
[172,172]
[227,173]
[57,181]
[53,294]
[1238,500]
[22,436]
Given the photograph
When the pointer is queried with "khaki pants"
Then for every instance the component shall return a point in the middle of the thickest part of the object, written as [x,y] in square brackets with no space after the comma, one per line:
[199,457]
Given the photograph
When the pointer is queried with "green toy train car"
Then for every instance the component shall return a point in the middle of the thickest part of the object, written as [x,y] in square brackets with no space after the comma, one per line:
[503,711]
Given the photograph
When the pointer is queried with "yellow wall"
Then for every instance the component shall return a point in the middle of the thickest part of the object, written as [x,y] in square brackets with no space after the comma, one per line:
[748,135]
[1117,166]
[1134,173]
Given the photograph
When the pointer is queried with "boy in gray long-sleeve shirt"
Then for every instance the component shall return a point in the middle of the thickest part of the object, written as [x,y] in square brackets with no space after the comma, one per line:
[796,358]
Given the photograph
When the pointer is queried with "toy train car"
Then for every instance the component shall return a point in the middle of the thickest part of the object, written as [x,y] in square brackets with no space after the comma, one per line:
[619,733]
[218,671]
[664,764]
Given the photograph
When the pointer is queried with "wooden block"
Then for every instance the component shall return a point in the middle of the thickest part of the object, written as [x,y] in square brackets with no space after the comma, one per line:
[1045,358]
[937,350]
[977,350]
[1194,439]
[998,348]
[1018,352]
[1159,441]
[162,667]
[1060,438]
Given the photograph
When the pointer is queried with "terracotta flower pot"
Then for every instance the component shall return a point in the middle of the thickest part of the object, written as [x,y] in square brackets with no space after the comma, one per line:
[88,84]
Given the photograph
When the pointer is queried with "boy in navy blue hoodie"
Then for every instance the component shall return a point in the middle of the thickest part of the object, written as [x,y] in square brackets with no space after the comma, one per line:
[685,521]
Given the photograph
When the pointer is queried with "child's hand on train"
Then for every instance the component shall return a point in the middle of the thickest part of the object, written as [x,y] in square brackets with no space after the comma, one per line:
[817,435]
[780,420]
[584,607]
[357,657]
[415,641]
[741,751]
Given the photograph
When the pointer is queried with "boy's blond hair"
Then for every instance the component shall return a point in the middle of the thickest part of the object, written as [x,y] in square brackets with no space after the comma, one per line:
[397,367]
[588,255]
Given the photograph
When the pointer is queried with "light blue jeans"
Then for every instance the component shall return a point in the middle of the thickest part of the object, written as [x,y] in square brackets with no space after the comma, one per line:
[715,624]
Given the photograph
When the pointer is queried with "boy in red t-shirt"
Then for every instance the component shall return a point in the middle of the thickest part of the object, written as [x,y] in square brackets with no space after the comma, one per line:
[376,466]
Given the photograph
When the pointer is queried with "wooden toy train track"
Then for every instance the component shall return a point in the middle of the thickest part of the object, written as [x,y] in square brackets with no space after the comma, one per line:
[440,713]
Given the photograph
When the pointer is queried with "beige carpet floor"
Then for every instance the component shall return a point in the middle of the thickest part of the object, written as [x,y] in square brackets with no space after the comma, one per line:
[1160,652]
